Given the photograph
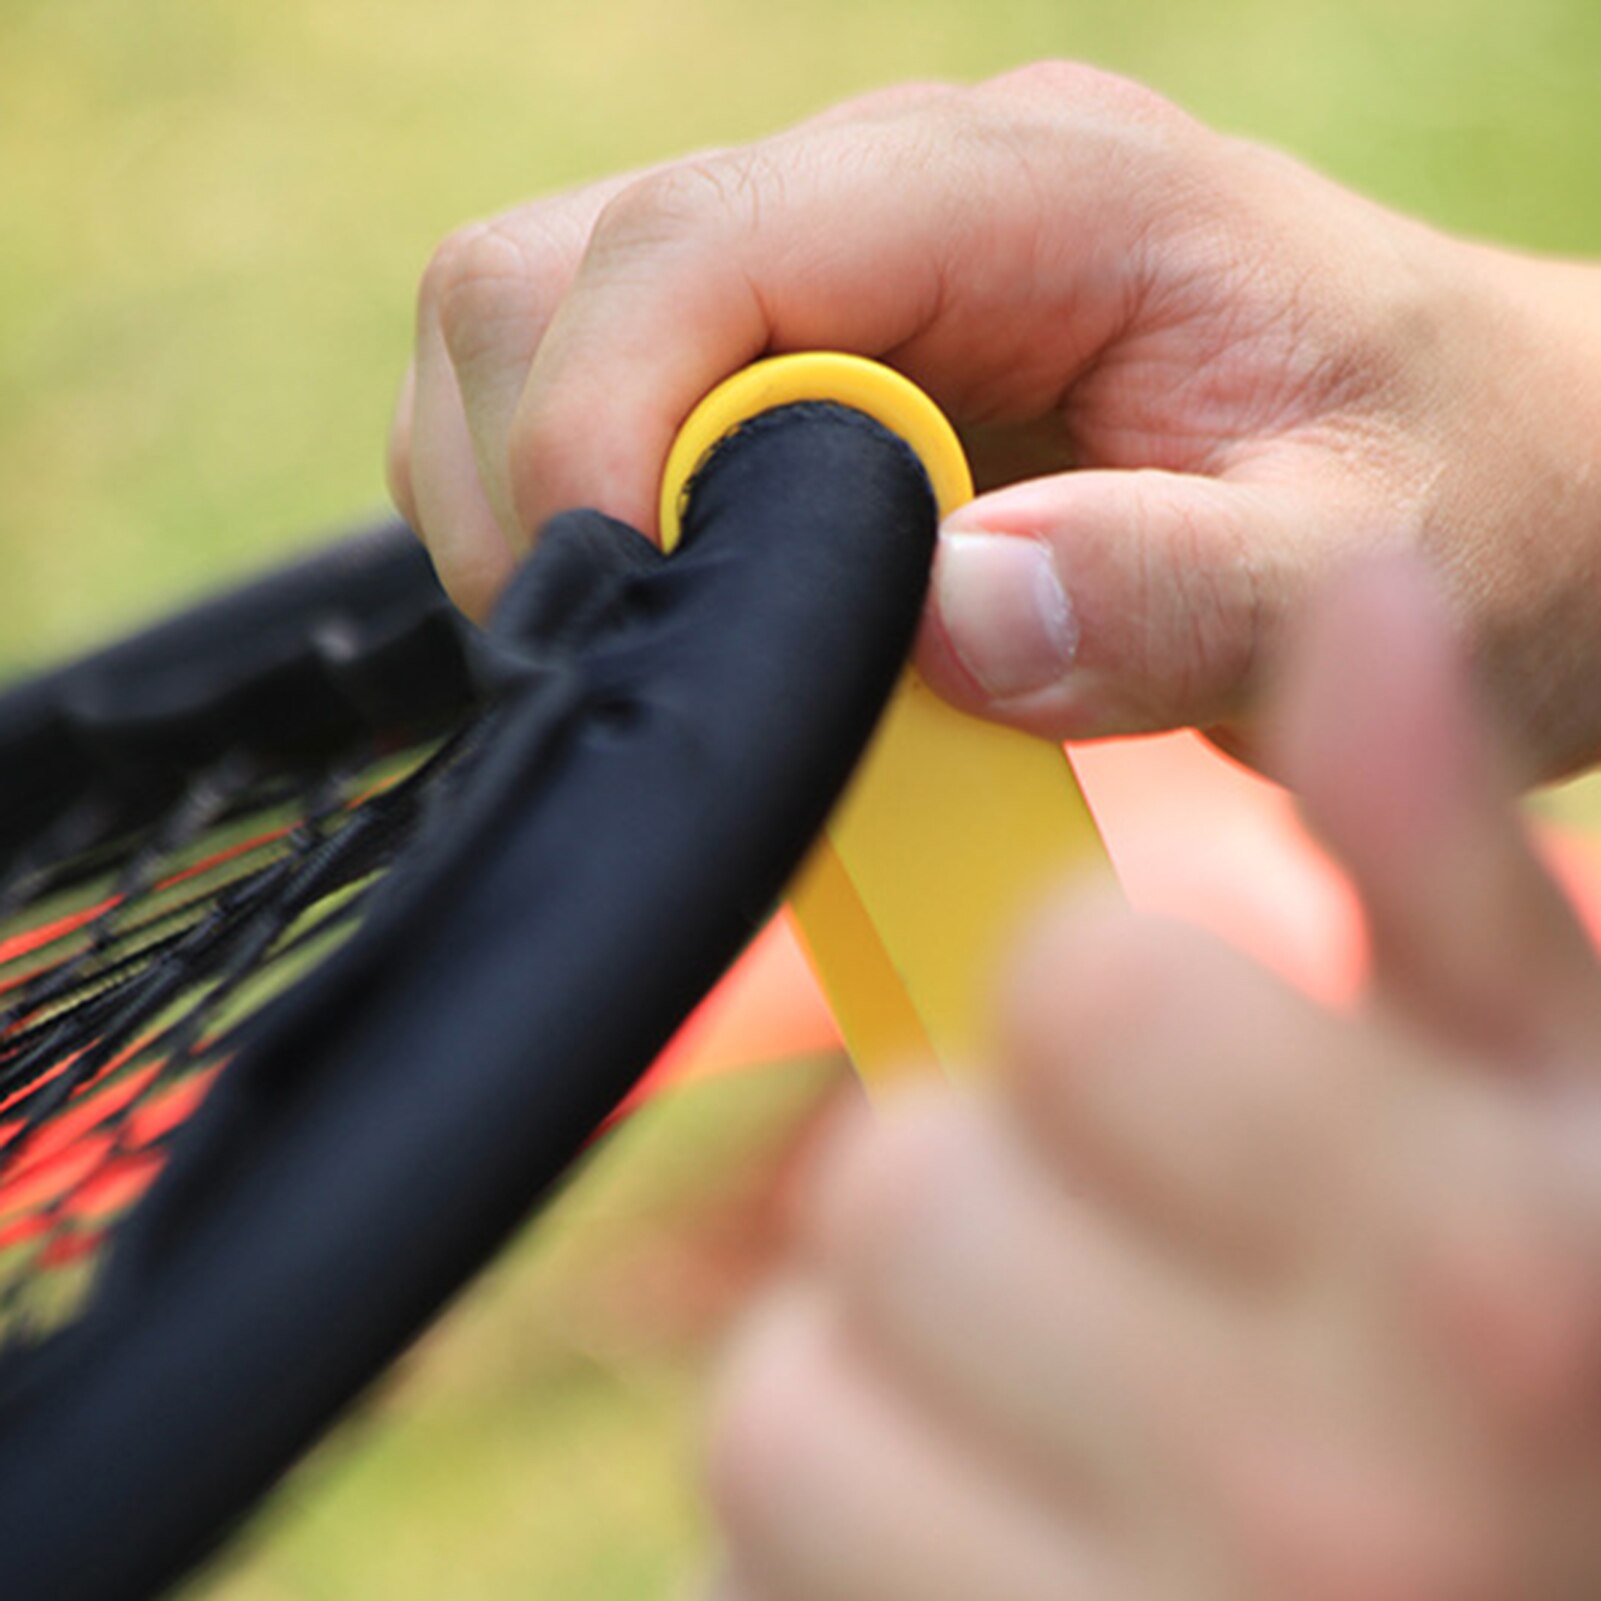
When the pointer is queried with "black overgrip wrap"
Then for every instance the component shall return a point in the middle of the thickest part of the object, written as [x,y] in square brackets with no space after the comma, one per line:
[647,795]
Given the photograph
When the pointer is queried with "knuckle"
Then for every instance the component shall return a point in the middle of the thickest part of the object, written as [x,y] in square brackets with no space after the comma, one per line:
[886,1185]
[1520,1318]
[655,208]
[764,1419]
[683,199]
[924,1147]
[1205,637]
[1075,84]
[456,258]
[479,279]
[1094,972]
[1384,1557]
[1359,1528]
[912,97]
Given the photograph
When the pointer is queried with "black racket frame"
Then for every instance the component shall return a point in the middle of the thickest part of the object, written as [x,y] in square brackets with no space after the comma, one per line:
[659,741]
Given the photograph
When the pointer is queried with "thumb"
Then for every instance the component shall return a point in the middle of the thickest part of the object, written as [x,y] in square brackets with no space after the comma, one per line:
[1378,730]
[1114,602]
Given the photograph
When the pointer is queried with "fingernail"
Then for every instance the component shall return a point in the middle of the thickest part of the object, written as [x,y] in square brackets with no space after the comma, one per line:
[1004,611]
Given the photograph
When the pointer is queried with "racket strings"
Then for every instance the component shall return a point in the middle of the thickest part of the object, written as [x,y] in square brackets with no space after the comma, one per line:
[92,946]
[137,961]
[128,979]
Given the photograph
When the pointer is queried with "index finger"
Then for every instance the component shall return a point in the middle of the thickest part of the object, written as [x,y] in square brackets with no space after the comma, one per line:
[943,242]
[687,278]
[1380,732]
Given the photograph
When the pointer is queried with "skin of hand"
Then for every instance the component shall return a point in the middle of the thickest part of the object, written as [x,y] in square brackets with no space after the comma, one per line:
[1212,1295]
[1253,373]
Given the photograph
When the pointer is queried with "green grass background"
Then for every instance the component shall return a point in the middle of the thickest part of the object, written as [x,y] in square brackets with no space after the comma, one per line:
[214,217]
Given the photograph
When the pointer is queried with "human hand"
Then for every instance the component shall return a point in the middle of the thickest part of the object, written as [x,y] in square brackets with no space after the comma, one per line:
[1218,1296]
[1254,372]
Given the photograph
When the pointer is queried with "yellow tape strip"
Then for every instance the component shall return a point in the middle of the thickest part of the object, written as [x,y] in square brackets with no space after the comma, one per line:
[952,828]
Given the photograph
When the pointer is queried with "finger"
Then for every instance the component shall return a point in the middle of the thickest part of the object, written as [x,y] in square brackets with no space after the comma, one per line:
[1032,1318]
[453,515]
[493,287]
[1228,1446]
[916,240]
[398,460]
[1491,1252]
[1380,734]
[831,1488]
[1171,1076]
[1300,1509]
[1174,1077]
[1110,602]
[894,100]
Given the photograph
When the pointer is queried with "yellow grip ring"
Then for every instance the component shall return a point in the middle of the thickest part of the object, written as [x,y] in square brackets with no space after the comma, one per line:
[951,826]
[879,392]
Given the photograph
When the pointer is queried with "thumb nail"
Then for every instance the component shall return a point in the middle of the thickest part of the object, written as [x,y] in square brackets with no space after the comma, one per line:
[1004,611]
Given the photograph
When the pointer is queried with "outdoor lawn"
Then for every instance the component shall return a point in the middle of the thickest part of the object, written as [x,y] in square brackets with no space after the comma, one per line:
[215,216]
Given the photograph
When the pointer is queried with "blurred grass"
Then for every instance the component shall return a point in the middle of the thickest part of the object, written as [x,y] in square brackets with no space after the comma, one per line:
[215,216]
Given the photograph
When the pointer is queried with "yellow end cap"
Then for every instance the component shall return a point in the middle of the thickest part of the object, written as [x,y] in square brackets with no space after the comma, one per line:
[879,392]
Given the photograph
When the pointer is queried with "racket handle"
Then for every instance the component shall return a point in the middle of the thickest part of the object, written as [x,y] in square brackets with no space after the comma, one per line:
[952,828]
